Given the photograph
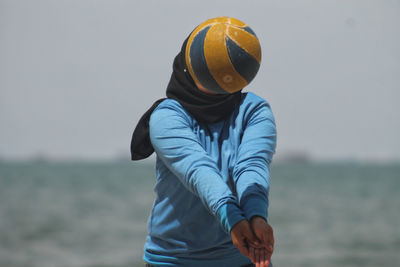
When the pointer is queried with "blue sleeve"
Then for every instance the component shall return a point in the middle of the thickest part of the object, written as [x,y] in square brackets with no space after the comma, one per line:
[251,173]
[178,147]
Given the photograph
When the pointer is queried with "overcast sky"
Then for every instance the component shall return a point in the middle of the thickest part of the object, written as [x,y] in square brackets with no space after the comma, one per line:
[75,76]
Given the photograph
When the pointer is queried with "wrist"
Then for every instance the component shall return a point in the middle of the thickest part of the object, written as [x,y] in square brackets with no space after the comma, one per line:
[229,215]
[258,218]
[254,205]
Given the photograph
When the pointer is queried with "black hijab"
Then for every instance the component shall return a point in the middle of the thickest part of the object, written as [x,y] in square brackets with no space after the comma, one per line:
[203,107]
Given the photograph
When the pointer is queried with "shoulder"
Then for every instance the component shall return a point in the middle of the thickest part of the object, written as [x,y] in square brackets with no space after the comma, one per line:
[252,104]
[252,99]
[169,107]
[169,113]
[169,103]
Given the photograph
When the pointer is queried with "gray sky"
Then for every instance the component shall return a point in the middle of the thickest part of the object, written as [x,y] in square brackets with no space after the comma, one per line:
[75,76]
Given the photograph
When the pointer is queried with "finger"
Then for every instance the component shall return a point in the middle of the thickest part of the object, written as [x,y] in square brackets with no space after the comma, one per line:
[252,255]
[268,241]
[262,259]
[252,239]
[243,249]
[257,256]
[272,241]
[267,258]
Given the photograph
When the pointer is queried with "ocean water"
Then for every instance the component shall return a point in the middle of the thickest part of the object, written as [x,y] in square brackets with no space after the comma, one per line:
[94,214]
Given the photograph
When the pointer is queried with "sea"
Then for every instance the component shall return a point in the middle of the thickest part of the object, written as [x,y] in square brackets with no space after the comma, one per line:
[94,214]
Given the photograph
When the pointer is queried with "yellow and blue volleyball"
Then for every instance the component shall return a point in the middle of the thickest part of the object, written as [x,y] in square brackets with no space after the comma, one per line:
[223,55]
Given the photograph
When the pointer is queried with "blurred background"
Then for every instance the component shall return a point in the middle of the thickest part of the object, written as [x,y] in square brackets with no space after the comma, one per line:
[75,77]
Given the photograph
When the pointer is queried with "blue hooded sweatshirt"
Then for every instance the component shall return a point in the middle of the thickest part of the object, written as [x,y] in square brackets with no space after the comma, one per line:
[209,177]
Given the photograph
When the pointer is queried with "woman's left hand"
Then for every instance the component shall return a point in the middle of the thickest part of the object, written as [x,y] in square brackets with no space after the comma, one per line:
[265,234]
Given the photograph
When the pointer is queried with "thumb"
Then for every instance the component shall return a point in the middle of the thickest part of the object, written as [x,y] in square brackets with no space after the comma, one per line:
[251,237]
[268,240]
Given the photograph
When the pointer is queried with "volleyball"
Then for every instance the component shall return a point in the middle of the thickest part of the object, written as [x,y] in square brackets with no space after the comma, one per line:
[223,55]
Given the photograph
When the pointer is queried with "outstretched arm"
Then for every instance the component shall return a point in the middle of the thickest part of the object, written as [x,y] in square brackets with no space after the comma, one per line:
[251,173]
[252,177]
[178,147]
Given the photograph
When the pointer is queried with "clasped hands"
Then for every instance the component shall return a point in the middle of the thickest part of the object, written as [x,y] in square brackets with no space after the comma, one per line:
[254,239]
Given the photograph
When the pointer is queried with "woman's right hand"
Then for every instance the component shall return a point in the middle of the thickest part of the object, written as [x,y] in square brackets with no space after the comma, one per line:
[244,239]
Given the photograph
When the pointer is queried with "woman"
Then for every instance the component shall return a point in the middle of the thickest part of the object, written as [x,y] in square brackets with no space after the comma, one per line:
[214,145]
